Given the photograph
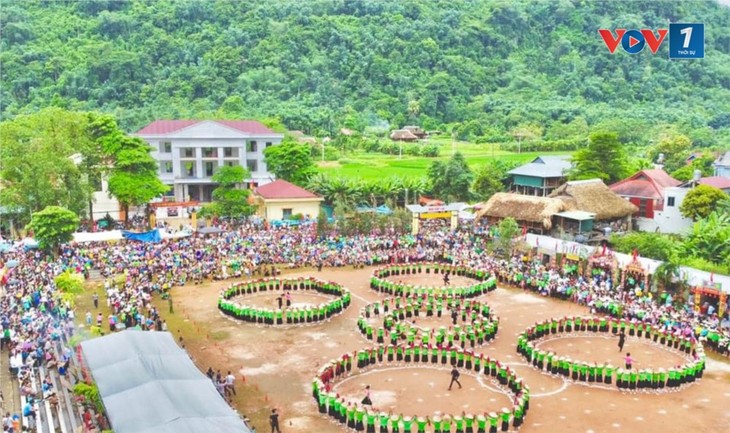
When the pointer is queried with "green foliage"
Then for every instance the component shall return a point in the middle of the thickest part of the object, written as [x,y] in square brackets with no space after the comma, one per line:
[38,155]
[350,192]
[229,198]
[701,201]
[451,181]
[604,158]
[706,265]
[507,230]
[70,282]
[675,148]
[710,239]
[491,178]
[90,392]
[53,226]
[317,66]
[653,245]
[322,223]
[291,161]
[703,164]
[134,180]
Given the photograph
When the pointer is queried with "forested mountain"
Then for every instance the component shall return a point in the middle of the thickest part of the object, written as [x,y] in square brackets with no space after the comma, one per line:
[319,65]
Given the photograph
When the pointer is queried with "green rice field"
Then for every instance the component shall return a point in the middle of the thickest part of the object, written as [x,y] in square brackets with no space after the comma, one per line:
[363,165]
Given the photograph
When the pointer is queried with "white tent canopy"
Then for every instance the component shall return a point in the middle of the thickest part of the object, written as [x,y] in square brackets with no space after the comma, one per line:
[148,384]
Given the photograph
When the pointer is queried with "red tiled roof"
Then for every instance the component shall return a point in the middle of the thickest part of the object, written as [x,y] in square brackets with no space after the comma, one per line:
[660,177]
[645,184]
[281,189]
[716,181]
[164,127]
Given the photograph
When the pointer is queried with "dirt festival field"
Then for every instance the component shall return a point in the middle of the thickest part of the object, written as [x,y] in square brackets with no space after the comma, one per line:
[278,365]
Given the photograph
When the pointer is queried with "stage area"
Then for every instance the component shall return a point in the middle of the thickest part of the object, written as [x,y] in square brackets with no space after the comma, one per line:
[603,349]
[423,391]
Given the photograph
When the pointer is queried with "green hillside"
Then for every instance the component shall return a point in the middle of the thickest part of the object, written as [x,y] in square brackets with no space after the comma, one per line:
[320,65]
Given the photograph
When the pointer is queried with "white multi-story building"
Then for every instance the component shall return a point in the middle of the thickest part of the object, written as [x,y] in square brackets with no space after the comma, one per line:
[191,151]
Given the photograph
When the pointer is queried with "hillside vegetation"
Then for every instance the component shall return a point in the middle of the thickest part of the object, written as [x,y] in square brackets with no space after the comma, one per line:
[490,66]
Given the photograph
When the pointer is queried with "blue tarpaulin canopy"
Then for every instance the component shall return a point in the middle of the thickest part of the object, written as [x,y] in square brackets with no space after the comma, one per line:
[383,210]
[150,236]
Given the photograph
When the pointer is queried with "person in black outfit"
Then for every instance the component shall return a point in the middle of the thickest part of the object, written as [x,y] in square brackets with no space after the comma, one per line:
[454,378]
[274,421]
[621,341]
[454,315]
[446,279]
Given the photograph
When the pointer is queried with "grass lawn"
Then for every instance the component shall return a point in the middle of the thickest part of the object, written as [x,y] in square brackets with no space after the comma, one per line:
[363,165]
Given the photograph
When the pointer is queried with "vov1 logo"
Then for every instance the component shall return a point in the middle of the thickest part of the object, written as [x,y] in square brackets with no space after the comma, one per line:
[686,40]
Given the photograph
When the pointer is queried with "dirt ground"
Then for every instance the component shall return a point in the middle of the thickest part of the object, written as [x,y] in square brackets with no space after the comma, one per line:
[276,366]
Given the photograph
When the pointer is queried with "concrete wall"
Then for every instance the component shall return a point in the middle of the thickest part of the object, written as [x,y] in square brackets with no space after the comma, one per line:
[670,219]
[274,210]
[104,204]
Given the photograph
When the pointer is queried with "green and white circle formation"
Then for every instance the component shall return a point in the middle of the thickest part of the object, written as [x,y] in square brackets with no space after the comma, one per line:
[475,324]
[284,316]
[485,282]
[355,415]
[632,380]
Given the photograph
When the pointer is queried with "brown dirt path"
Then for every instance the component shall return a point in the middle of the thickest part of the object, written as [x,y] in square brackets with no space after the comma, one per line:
[278,365]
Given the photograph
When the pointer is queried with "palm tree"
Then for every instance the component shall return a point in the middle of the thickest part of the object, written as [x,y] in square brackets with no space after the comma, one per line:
[667,273]
[414,187]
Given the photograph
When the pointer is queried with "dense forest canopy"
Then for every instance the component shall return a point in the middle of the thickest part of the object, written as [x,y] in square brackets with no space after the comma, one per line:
[320,65]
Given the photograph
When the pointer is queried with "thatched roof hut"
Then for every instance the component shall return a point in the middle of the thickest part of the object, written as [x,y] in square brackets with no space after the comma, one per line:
[595,197]
[528,210]
[402,135]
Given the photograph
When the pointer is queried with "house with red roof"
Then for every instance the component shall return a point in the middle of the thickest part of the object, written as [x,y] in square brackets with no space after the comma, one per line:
[281,200]
[645,189]
[189,152]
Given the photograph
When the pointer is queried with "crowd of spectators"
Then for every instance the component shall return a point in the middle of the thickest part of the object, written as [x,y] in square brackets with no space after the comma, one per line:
[32,313]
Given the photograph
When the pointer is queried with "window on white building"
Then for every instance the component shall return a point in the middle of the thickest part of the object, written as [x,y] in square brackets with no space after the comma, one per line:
[269,144]
[210,152]
[188,152]
[251,146]
[189,169]
[167,167]
[286,214]
[227,152]
[166,147]
[252,165]
[670,201]
[209,169]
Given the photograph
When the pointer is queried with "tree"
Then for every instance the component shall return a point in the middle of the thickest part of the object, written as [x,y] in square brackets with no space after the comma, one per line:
[290,161]
[507,230]
[450,181]
[229,198]
[525,132]
[322,224]
[489,179]
[675,149]
[134,179]
[39,162]
[53,226]
[603,158]
[701,202]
